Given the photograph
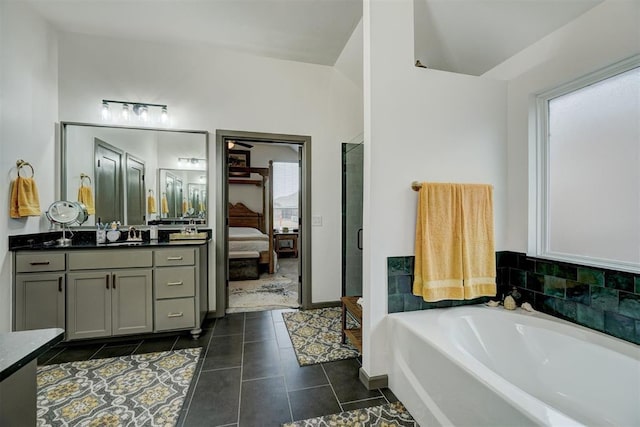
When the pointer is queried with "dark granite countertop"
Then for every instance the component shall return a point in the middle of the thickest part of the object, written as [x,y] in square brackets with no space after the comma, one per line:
[86,240]
[19,348]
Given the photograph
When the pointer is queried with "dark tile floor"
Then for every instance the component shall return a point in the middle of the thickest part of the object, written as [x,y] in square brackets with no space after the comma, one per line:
[248,374]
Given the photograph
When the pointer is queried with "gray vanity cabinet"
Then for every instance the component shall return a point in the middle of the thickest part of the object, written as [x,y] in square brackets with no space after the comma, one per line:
[39,291]
[103,292]
[39,301]
[102,303]
[175,289]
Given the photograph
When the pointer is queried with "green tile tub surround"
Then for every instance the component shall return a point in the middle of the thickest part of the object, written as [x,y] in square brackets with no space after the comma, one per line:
[601,299]
[400,287]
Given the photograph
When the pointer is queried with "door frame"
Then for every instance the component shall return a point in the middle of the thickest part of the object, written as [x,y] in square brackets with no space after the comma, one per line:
[222,200]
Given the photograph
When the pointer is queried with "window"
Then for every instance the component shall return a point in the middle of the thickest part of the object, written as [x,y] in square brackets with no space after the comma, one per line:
[588,174]
[286,187]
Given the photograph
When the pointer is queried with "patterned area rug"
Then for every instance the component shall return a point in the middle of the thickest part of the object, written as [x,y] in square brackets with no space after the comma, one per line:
[390,415]
[144,389]
[262,294]
[316,336]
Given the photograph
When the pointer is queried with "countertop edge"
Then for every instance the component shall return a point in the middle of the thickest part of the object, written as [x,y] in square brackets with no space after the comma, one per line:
[14,367]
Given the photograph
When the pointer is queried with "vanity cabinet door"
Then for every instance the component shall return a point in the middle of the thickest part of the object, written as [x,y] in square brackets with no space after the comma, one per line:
[89,304]
[39,301]
[132,302]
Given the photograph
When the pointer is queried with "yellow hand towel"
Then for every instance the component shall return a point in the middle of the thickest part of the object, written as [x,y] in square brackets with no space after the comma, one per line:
[165,205]
[478,247]
[438,271]
[151,204]
[25,200]
[185,206]
[85,196]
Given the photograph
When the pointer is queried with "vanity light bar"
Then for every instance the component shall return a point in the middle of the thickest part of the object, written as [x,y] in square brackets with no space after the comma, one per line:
[140,109]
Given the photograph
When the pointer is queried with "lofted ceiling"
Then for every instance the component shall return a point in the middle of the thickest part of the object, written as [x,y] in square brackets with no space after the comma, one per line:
[464,36]
[474,36]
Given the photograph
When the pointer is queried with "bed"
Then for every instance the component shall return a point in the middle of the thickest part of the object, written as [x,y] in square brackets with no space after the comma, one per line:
[248,233]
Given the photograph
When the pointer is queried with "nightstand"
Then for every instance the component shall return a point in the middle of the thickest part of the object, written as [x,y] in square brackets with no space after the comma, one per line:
[290,236]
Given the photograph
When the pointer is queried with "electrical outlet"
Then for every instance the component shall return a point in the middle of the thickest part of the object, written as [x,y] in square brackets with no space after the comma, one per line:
[316,220]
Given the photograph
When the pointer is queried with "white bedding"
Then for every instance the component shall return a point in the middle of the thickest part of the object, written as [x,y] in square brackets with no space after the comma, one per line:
[247,239]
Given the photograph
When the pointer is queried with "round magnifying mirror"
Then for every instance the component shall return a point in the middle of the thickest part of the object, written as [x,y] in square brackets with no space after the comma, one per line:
[83,215]
[63,212]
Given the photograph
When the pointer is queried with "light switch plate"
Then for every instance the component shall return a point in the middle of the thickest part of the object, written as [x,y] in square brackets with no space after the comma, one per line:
[316,220]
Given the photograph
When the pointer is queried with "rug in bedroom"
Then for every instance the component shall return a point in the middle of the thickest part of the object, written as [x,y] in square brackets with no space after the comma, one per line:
[317,334]
[390,415]
[263,294]
[143,389]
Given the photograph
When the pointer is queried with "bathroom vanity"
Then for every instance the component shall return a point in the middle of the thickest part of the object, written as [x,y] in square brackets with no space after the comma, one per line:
[94,291]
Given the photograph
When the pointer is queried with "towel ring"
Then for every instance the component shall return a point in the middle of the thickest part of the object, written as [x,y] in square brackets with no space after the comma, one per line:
[83,176]
[151,192]
[21,163]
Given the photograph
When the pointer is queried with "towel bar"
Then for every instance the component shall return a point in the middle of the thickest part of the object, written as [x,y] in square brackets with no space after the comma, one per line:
[416,186]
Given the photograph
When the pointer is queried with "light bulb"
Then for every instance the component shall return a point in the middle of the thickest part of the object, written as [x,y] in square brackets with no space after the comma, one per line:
[106,114]
[144,113]
[125,112]
[164,115]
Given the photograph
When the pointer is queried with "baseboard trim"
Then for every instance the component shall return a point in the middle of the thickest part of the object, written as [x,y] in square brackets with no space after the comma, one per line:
[326,304]
[372,383]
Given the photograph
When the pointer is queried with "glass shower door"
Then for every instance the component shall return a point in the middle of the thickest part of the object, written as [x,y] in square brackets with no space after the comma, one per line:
[352,184]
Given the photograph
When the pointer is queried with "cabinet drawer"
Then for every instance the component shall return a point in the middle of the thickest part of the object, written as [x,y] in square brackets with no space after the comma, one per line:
[45,261]
[178,313]
[175,282]
[109,259]
[177,256]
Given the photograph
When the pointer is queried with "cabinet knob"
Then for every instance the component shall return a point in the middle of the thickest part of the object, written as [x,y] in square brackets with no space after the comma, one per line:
[174,258]
[40,263]
[107,280]
[60,284]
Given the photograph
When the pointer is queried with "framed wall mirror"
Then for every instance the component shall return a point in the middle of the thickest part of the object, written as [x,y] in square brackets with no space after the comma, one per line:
[137,176]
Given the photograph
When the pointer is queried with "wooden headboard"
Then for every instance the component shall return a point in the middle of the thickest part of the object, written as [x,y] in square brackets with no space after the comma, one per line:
[242,216]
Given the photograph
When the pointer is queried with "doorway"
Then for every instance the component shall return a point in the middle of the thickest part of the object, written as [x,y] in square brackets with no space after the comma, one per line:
[253,194]
[352,199]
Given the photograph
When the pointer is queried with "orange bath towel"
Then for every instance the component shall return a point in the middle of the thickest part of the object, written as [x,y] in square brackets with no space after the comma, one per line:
[151,204]
[478,247]
[455,251]
[165,205]
[25,200]
[85,196]
[438,261]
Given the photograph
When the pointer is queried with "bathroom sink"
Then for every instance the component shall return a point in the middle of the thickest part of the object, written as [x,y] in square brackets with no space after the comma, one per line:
[188,236]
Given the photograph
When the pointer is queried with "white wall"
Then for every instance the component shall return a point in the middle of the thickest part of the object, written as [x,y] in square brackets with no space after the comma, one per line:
[421,125]
[602,36]
[29,95]
[208,88]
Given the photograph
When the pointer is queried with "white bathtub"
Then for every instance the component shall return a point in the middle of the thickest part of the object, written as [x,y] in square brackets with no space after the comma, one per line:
[481,366]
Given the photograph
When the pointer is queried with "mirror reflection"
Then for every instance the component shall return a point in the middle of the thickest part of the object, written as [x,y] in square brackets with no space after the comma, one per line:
[183,193]
[133,175]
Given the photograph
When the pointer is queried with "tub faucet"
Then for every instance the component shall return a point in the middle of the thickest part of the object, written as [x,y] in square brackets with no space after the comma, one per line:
[193,228]
[514,293]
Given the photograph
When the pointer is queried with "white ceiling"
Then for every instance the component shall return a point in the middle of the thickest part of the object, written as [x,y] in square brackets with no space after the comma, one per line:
[312,31]
[465,36]
[473,36]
